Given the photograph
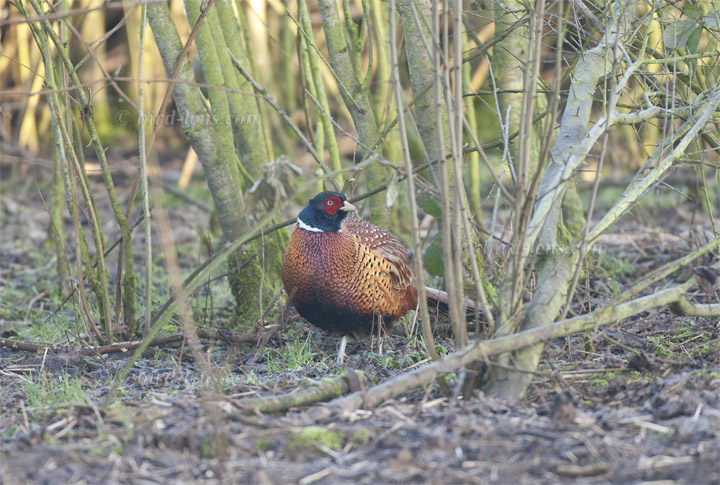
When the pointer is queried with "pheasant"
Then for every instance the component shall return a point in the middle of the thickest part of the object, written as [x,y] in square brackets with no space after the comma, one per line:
[344,275]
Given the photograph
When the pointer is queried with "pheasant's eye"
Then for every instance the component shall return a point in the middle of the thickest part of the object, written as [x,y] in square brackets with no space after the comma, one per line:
[331,205]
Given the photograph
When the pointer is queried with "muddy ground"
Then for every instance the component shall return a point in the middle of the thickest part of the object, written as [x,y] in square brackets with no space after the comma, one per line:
[638,401]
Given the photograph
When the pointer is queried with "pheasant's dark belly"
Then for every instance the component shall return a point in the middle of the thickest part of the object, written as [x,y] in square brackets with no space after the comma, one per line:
[340,320]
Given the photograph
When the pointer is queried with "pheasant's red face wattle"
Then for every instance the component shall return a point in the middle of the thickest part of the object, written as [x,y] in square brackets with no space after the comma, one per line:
[332,204]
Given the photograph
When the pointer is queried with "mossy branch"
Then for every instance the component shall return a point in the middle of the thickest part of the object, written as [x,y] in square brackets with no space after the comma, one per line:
[246,120]
[424,376]
[304,27]
[189,102]
[357,101]
[553,283]
[573,141]
[328,388]
[211,60]
[213,142]
[414,16]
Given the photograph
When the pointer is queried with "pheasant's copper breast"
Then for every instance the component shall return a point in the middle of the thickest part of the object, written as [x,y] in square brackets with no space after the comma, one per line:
[345,281]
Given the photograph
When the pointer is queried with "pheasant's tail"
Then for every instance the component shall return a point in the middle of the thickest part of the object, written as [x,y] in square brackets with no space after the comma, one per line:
[438,301]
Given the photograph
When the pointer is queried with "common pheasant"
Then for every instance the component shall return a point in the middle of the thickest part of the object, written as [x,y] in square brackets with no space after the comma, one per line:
[345,275]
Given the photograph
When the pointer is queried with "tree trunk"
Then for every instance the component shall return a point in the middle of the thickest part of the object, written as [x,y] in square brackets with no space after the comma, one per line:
[217,159]
[556,271]
[357,99]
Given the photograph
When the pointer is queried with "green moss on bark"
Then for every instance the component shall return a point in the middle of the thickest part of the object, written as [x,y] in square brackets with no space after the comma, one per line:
[245,286]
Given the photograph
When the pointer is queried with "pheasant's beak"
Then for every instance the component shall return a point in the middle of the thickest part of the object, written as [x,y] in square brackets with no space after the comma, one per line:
[347,207]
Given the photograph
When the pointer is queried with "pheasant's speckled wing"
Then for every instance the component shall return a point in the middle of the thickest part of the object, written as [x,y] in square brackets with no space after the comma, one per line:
[385,245]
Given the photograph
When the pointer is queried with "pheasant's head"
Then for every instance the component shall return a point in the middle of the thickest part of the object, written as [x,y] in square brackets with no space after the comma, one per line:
[325,212]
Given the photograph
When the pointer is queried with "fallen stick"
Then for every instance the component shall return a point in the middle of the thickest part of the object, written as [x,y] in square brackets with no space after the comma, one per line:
[26,346]
[327,388]
[426,375]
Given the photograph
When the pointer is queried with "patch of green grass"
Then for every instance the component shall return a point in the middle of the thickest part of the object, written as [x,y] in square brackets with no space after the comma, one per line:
[47,390]
[361,436]
[264,444]
[604,379]
[51,330]
[299,354]
[207,449]
[702,351]
[683,340]
[250,377]
[9,308]
[707,375]
[636,376]
[600,382]
[608,269]
[22,288]
[295,355]
[275,364]
[307,438]
[386,360]
[633,376]
[231,381]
